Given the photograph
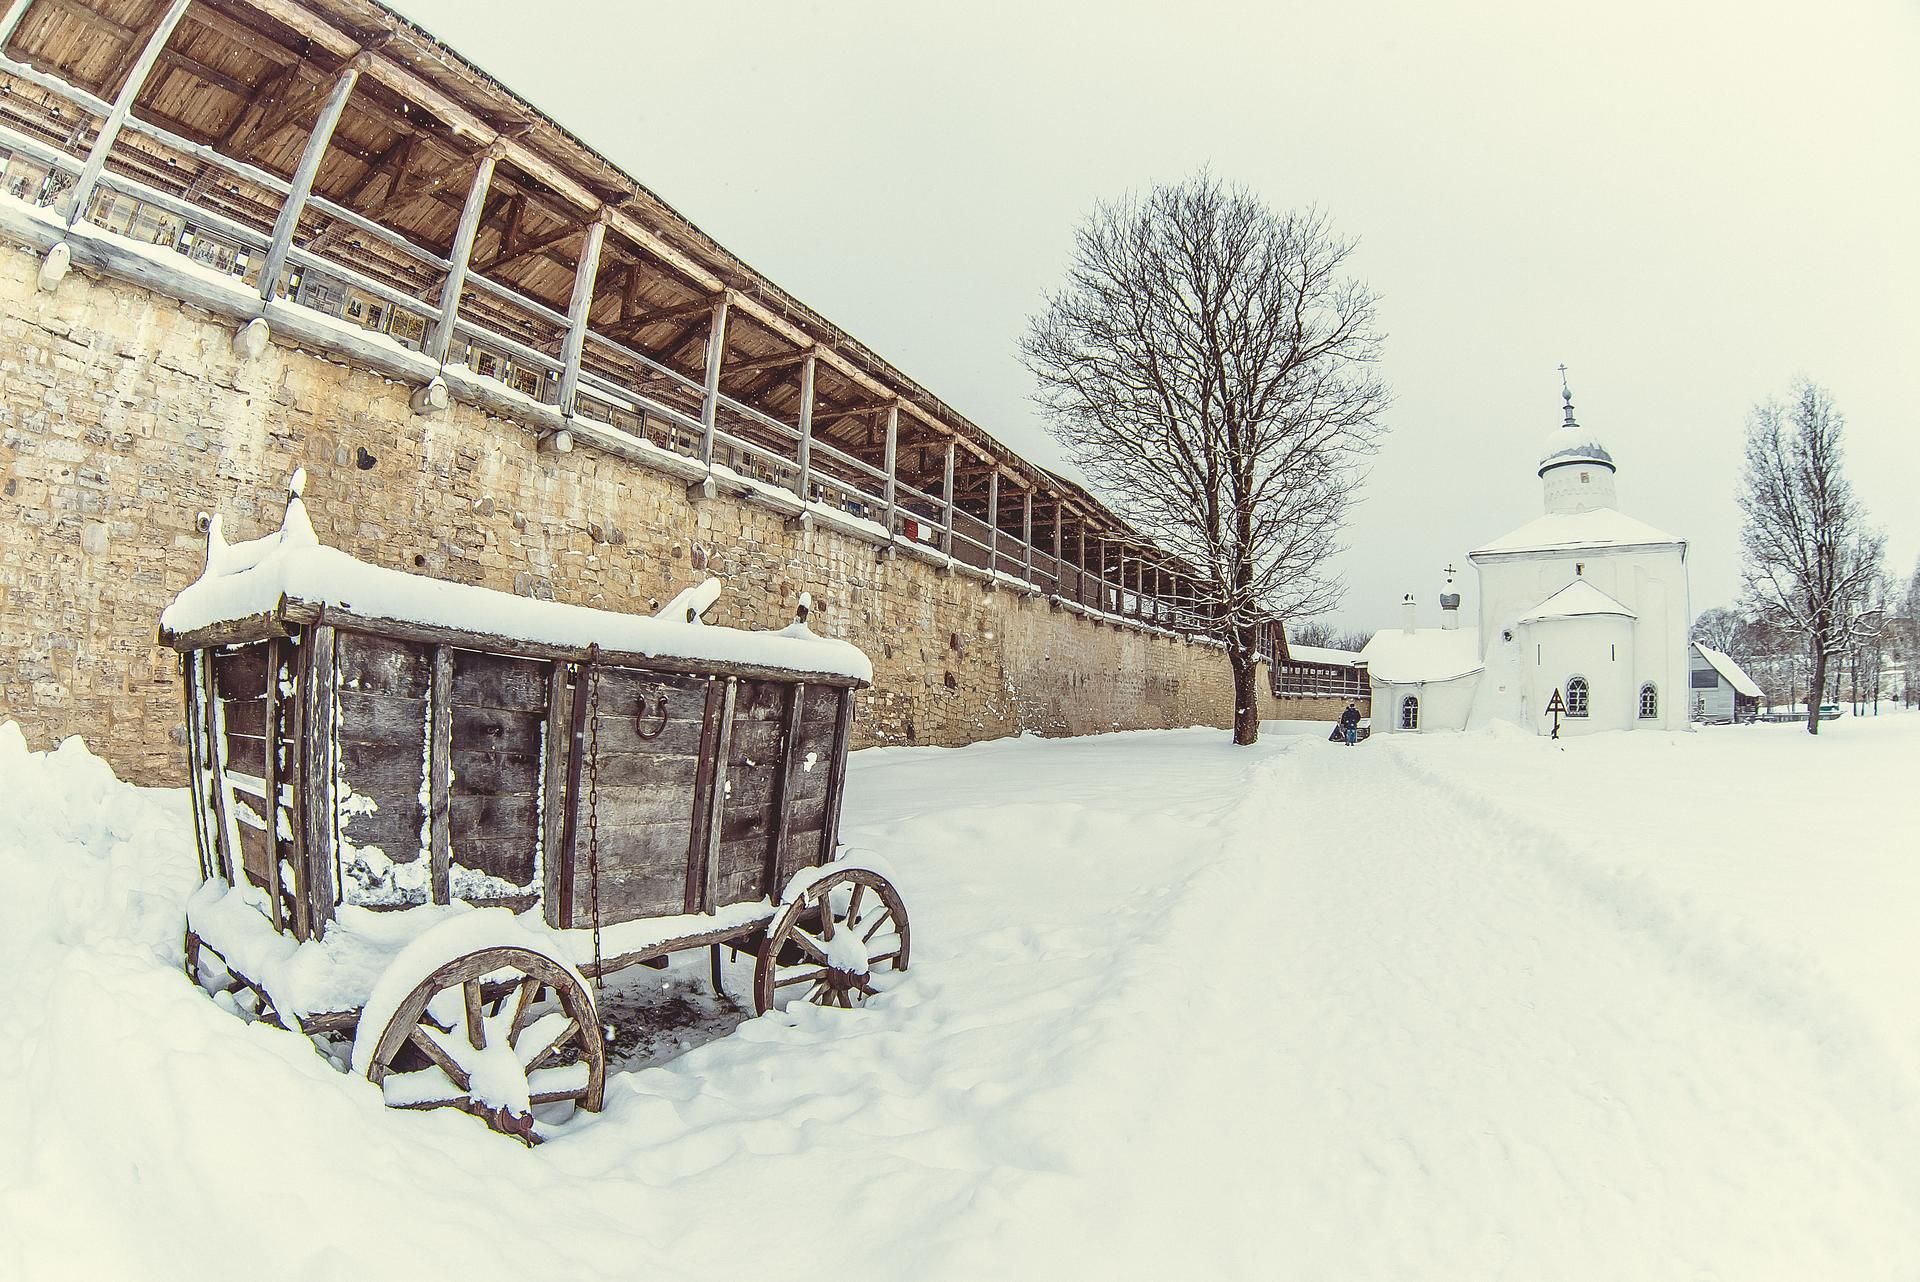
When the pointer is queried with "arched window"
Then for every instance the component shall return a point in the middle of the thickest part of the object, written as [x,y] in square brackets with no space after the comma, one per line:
[1410,713]
[1576,696]
[1649,702]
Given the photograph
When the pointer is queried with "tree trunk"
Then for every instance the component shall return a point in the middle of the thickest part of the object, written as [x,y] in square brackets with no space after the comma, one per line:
[1817,689]
[1246,697]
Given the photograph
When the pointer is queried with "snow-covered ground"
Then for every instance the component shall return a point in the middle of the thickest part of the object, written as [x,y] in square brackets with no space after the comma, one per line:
[1635,1006]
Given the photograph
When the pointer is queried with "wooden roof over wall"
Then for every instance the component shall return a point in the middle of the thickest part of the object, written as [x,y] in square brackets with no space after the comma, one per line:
[247,78]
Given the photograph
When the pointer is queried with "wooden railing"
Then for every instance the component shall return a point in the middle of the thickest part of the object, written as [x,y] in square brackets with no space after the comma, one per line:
[213,224]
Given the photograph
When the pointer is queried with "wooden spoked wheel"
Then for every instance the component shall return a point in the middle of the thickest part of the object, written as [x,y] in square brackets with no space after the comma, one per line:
[828,944]
[497,1033]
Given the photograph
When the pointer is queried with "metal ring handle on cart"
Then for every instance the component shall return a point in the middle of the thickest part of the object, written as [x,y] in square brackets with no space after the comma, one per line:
[659,710]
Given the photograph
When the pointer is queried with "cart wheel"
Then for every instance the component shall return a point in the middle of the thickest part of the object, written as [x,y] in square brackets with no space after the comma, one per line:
[497,1033]
[828,943]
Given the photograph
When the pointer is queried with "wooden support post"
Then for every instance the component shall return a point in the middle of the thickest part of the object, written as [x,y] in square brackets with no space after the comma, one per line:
[785,782]
[441,340]
[96,163]
[1026,535]
[804,453]
[837,778]
[439,773]
[11,19]
[716,817]
[556,805]
[577,309]
[893,448]
[316,808]
[270,781]
[946,494]
[993,522]
[196,748]
[710,395]
[220,800]
[288,222]
[1080,560]
[1057,576]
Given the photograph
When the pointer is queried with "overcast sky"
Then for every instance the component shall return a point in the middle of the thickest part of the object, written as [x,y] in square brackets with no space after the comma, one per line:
[1688,204]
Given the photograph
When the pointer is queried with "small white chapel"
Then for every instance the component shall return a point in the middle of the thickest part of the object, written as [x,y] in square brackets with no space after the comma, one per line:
[1583,601]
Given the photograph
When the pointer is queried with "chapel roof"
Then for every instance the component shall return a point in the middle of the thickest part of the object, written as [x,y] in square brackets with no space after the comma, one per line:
[1601,527]
[1577,600]
[1400,657]
[1730,671]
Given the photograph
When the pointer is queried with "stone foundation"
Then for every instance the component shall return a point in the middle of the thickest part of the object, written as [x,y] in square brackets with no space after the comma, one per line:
[123,415]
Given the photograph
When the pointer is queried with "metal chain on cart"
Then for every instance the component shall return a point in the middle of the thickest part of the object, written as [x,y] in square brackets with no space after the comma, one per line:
[593,816]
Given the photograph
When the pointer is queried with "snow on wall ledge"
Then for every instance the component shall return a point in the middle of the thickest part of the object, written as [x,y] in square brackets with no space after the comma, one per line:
[127,414]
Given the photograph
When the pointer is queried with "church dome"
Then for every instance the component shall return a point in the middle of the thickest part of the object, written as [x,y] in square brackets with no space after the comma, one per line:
[1573,444]
[1570,442]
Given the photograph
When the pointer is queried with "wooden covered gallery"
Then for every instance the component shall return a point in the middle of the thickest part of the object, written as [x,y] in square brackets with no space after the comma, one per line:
[356,185]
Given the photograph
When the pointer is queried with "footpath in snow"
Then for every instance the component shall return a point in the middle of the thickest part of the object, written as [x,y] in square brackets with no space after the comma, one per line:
[1448,1007]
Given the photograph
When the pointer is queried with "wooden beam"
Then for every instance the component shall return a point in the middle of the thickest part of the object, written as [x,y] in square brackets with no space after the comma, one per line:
[11,19]
[993,522]
[303,175]
[516,251]
[804,456]
[893,445]
[241,34]
[776,361]
[710,392]
[576,341]
[96,162]
[201,71]
[1026,533]
[704,307]
[441,340]
[946,497]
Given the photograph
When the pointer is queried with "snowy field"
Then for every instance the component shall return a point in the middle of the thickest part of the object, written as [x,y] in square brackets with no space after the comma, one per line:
[1449,1007]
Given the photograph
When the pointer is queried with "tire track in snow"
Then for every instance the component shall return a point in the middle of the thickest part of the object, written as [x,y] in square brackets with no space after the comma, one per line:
[1502,1078]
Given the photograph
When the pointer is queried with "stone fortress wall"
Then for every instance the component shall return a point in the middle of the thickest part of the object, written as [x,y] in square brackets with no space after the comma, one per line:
[124,414]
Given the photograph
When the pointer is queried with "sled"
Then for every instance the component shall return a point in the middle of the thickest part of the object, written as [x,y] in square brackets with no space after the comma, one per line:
[431,817]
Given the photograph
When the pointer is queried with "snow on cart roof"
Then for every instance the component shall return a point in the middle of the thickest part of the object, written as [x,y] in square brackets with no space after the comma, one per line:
[245,581]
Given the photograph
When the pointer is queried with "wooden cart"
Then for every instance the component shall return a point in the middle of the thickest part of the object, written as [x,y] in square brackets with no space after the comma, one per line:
[431,816]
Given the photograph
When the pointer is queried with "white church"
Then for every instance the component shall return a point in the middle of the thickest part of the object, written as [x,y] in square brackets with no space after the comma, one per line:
[1583,600]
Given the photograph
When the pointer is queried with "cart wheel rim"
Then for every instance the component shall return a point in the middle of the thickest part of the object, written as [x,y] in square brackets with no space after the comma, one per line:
[498,1033]
[828,945]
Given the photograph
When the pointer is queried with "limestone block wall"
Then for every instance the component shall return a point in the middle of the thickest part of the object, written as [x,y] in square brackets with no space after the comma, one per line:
[124,414]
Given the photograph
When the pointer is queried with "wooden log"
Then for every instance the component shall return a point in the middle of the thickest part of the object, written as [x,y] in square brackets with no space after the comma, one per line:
[81,194]
[450,290]
[439,768]
[401,631]
[577,309]
[304,173]
[804,456]
[710,384]
[706,782]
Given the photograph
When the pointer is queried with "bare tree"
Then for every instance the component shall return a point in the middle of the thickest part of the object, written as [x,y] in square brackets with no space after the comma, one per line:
[1209,365]
[1319,632]
[1811,560]
[1721,628]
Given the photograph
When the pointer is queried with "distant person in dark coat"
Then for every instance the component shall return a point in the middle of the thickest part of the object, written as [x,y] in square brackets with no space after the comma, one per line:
[1350,725]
